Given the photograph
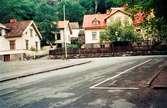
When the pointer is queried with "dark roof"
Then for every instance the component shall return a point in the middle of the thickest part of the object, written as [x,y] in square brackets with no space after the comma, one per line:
[2,26]
[17,28]
[74,25]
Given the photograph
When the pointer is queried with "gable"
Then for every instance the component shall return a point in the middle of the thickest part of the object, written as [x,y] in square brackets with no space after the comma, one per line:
[18,28]
[119,16]
[34,27]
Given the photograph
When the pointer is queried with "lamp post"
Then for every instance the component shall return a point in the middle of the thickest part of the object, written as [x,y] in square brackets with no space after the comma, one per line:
[65,35]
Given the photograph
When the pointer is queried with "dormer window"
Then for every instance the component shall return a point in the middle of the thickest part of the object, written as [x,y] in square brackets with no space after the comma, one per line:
[95,22]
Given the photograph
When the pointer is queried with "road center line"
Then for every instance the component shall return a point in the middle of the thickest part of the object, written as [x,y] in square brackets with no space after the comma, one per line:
[94,86]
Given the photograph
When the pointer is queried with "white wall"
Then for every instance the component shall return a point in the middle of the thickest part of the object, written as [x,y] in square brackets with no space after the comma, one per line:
[20,42]
[75,33]
[68,35]
[88,36]
[119,16]
[4,44]
[32,40]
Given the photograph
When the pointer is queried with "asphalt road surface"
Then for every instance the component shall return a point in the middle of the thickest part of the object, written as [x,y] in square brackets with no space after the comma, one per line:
[118,82]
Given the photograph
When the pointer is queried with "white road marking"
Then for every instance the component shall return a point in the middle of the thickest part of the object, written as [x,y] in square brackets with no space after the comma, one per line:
[95,86]
[115,88]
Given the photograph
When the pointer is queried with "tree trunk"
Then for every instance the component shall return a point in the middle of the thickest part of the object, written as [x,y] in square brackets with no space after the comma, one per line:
[132,2]
[96,5]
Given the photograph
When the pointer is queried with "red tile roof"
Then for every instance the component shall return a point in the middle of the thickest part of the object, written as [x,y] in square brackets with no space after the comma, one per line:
[101,18]
[88,19]
[61,24]
[16,28]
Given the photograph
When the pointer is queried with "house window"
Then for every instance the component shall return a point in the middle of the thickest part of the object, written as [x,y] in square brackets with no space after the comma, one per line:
[94,35]
[0,32]
[12,44]
[95,22]
[58,36]
[31,32]
[27,44]
[36,44]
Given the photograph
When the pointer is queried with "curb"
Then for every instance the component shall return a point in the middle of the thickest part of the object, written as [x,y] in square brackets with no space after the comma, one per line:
[40,72]
[149,82]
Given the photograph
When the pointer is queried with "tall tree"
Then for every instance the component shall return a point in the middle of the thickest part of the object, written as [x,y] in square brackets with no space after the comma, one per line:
[74,11]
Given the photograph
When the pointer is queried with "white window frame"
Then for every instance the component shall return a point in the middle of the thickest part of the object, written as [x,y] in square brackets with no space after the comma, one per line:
[94,35]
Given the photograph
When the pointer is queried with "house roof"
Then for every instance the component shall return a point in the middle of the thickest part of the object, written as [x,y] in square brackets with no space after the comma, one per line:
[17,28]
[88,21]
[114,11]
[2,26]
[100,19]
[74,25]
[62,24]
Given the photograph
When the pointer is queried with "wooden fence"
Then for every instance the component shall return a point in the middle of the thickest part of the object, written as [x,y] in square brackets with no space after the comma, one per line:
[107,52]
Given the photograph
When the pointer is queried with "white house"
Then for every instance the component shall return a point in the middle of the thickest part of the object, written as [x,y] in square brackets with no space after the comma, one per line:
[64,34]
[18,39]
[4,43]
[75,30]
[94,24]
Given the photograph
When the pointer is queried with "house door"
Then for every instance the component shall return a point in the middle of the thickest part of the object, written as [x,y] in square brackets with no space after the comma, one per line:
[6,58]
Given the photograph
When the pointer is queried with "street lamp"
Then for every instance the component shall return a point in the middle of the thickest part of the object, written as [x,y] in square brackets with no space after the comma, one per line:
[65,37]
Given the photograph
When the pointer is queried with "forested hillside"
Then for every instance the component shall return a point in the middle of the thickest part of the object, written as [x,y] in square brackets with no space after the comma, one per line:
[43,12]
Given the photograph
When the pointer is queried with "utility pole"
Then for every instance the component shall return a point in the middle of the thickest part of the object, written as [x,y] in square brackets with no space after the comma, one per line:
[65,33]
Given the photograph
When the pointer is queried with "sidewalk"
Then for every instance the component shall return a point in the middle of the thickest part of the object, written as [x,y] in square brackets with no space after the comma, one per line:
[20,69]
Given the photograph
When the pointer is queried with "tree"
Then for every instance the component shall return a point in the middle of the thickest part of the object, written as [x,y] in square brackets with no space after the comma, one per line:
[38,10]
[74,11]
[118,32]
[88,6]
[160,8]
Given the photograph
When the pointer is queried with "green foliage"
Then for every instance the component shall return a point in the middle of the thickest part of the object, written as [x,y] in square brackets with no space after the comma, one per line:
[38,10]
[33,49]
[155,28]
[74,11]
[75,44]
[44,12]
[118,32]
[160,8]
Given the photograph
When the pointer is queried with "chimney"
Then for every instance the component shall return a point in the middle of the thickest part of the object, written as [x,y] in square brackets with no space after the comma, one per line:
[13,20]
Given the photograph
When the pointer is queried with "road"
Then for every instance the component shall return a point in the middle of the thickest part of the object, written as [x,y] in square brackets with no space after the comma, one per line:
[118,82]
